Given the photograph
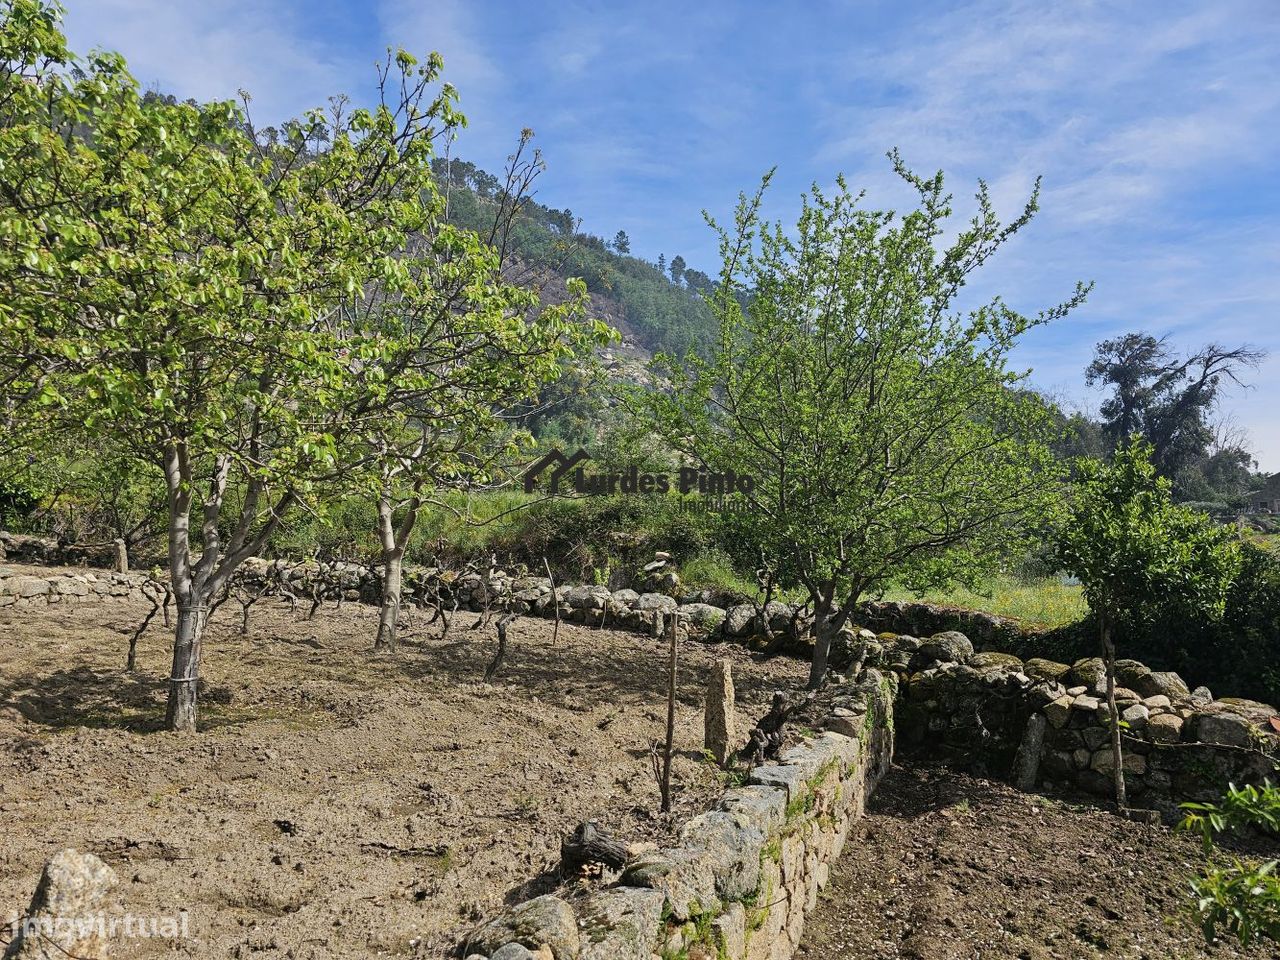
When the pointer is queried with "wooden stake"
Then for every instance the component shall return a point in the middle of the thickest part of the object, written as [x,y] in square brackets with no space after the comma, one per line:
[555,601]
[672,634]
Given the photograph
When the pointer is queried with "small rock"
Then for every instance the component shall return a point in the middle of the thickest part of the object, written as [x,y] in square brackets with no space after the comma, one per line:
[1248,704]
[622,923]
[1058,711]
[949,646]
[1046,669]
[1128,672]
[73,885]
[1089,672]
[1136,716]
[1130,762]
[739,620]
[1165,728]
[701,615]
[995,661]
[545,920]
[1167,683]
[1227,729]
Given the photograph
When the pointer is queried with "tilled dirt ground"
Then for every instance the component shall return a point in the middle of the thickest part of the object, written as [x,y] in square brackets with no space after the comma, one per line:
[949,867]
[337,804]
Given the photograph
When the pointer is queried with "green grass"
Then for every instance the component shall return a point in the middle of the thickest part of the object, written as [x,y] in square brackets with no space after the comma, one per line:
[1044,603]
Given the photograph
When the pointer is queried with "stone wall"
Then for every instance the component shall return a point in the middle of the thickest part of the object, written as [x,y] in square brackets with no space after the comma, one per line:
[526,595]
[20,589]
[743,877]
[1048,723]
[920,619]
[46,551]
[462,590]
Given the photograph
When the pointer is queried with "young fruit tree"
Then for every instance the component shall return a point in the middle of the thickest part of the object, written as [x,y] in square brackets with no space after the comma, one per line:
[468,359]
[887,438]
[192,293]
[1140,557]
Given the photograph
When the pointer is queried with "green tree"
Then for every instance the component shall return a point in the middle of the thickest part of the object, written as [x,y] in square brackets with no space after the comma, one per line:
[1168,400]
[882,427]
[621,242]
[1139,557]
[677,269]
[467,359]
[195,295]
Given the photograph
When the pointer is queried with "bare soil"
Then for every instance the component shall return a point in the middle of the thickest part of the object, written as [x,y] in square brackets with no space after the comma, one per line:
[338,804]
[950,867]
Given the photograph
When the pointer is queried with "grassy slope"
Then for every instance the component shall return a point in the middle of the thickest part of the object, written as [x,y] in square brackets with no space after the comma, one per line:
[1045,603]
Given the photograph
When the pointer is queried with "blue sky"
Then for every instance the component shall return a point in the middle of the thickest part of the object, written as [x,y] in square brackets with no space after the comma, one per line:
[1156,127]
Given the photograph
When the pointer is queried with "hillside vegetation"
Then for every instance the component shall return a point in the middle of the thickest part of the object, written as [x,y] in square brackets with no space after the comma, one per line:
[662,306]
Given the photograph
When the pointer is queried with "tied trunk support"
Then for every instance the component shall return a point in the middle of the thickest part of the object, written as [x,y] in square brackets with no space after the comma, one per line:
[184,676]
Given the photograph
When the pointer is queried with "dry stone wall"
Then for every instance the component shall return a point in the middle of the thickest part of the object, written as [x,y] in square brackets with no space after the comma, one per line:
[429,586]
[742,878]
[918,619]
[1048,723]
[18,589]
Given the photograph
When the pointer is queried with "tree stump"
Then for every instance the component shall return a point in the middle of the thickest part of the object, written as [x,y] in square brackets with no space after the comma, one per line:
[589,844]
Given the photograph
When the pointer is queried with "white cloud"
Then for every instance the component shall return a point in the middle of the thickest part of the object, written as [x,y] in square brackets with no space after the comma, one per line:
[210,49]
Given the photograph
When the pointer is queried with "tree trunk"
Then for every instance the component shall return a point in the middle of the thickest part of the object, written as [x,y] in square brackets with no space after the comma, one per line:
[389,617]
[184,675]
[395,541]
[824,631]
[1117,757]
[392,567]
[589,844]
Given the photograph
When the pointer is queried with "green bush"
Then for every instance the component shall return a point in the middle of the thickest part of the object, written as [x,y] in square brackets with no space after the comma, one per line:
[713,569]
[621,533]
[1247,806]
[1238,652]
[16,504]
[1240,899]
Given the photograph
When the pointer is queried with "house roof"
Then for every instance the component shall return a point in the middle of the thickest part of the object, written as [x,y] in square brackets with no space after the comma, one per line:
[1269,489]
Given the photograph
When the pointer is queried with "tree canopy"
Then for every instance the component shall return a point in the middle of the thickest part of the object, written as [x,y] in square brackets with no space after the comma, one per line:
[883,427]
[1168,400]
[1139,557]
